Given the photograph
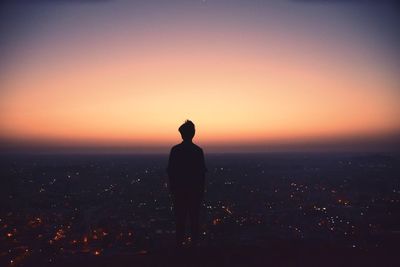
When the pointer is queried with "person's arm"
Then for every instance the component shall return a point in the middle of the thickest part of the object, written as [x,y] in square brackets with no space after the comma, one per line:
[171,170]
[203,172]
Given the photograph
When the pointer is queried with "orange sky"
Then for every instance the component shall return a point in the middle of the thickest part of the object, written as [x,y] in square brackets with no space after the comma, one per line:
[238,86]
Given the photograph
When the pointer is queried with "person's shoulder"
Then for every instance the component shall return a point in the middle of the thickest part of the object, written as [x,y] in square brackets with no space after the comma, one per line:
[176,147]
[196,147]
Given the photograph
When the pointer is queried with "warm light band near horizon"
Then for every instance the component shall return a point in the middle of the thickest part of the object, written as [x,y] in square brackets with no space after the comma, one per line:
[239,83]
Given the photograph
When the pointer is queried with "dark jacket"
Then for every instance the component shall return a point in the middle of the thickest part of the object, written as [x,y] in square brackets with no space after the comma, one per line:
[186,169]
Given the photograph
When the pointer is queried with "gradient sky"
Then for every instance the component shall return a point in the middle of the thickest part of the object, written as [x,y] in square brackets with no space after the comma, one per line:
[250,74]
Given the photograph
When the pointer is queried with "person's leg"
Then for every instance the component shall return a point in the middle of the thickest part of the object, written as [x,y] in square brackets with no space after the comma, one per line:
[194,211]
[180,218]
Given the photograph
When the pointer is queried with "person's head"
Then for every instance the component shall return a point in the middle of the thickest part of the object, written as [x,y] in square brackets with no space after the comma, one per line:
[187,130]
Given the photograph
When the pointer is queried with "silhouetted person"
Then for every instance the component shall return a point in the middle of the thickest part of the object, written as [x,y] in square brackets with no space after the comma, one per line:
[186,173]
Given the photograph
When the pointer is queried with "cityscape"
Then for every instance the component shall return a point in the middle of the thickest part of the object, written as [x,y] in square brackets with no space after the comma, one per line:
[57,207]
[291,106]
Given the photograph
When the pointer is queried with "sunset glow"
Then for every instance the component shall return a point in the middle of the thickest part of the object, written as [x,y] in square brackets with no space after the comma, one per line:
[98,74]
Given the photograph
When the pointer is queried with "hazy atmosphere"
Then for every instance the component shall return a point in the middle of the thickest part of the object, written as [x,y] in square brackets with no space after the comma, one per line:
[252,75]
[240,133]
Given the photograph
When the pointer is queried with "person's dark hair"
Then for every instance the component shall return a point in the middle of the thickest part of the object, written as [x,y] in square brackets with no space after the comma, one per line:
[187,130]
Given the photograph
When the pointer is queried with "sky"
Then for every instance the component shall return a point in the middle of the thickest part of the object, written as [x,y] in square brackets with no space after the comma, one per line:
[252,75]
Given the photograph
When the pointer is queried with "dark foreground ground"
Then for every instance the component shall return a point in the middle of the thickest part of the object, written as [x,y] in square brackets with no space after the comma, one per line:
[277,253]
